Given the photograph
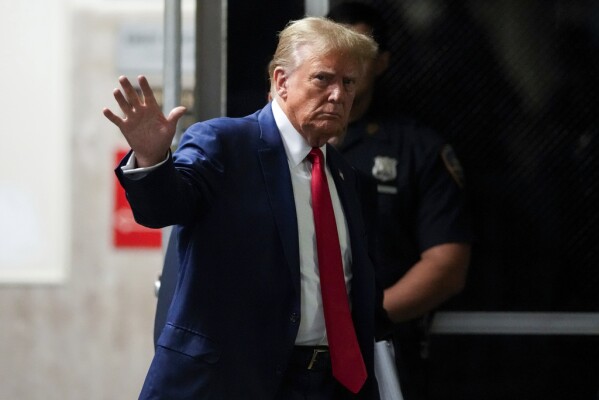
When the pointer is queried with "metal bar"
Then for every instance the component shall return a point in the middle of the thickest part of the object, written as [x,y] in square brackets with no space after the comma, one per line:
[210,93]
[172,59]
[171,74]
[515,323]
[316,8]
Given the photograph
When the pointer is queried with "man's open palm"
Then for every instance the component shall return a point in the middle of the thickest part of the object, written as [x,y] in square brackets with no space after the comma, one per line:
[146,129]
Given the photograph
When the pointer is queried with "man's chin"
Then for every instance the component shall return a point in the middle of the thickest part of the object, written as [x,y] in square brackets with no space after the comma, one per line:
[323,132]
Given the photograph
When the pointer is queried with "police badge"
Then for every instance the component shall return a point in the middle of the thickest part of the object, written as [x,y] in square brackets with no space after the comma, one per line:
[384,168]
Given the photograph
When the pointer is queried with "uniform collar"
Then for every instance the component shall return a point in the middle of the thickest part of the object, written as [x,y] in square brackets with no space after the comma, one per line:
[367,126]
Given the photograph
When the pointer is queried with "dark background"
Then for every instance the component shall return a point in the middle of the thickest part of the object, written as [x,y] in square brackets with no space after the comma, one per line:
[513,85]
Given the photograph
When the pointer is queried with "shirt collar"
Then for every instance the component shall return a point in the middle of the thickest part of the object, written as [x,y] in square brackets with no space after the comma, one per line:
[296,147]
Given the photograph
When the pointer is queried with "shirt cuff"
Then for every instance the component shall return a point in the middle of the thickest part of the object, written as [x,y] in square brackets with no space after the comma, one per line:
[130,168]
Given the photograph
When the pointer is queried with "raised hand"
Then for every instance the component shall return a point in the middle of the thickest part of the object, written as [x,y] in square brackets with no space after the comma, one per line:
[144,126]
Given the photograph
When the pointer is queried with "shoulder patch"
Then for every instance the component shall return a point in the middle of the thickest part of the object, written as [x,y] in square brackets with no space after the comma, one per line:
[453,165]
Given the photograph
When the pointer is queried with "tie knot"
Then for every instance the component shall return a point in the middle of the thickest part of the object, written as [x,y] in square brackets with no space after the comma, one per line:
[315,155]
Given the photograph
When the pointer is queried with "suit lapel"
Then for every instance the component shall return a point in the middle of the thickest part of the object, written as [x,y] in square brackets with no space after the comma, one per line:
[342,177]
[275,169]
[345,183]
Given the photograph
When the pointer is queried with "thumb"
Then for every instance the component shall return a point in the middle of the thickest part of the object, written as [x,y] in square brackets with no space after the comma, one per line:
[175,114]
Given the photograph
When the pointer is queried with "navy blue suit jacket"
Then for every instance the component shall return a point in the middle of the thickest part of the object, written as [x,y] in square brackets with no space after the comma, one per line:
[233,321]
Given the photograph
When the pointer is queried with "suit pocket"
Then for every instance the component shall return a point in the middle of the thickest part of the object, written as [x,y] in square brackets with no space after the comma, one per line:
[189,343]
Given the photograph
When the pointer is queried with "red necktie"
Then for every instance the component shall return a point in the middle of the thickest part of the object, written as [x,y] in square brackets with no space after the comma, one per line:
[346,358]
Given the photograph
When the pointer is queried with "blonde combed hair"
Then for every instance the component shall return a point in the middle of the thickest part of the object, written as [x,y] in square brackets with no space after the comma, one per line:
[323,36]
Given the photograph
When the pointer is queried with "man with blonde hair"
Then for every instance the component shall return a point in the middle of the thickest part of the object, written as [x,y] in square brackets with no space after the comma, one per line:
[276,296]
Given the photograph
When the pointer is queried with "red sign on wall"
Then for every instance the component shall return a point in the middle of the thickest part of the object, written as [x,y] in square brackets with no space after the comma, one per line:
[127,233]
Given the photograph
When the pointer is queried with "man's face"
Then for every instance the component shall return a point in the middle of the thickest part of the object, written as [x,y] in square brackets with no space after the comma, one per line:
[317,96]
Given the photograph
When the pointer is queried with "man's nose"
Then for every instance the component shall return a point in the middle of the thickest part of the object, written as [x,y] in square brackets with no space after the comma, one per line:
[336,93]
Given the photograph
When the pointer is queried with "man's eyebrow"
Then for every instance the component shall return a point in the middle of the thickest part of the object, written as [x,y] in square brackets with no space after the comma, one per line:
[322,72]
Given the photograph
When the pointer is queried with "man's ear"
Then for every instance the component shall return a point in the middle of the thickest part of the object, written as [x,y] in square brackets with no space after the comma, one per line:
[381,63]
[279,77]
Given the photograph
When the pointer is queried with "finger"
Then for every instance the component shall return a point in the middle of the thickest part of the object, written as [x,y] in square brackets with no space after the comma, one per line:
[122,102]
[175,114]
[130,92]
[147,91]
[113,118]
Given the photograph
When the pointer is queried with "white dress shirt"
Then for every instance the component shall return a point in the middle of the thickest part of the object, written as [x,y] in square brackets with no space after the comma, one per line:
[312,329]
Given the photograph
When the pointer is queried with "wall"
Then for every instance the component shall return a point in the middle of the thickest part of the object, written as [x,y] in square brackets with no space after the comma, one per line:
[88,335]
[33,211]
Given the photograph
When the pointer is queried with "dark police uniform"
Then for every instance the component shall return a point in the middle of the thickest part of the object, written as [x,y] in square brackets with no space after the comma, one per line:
[413,201]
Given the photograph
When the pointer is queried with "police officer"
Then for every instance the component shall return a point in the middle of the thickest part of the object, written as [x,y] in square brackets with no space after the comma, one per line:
[419,226]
